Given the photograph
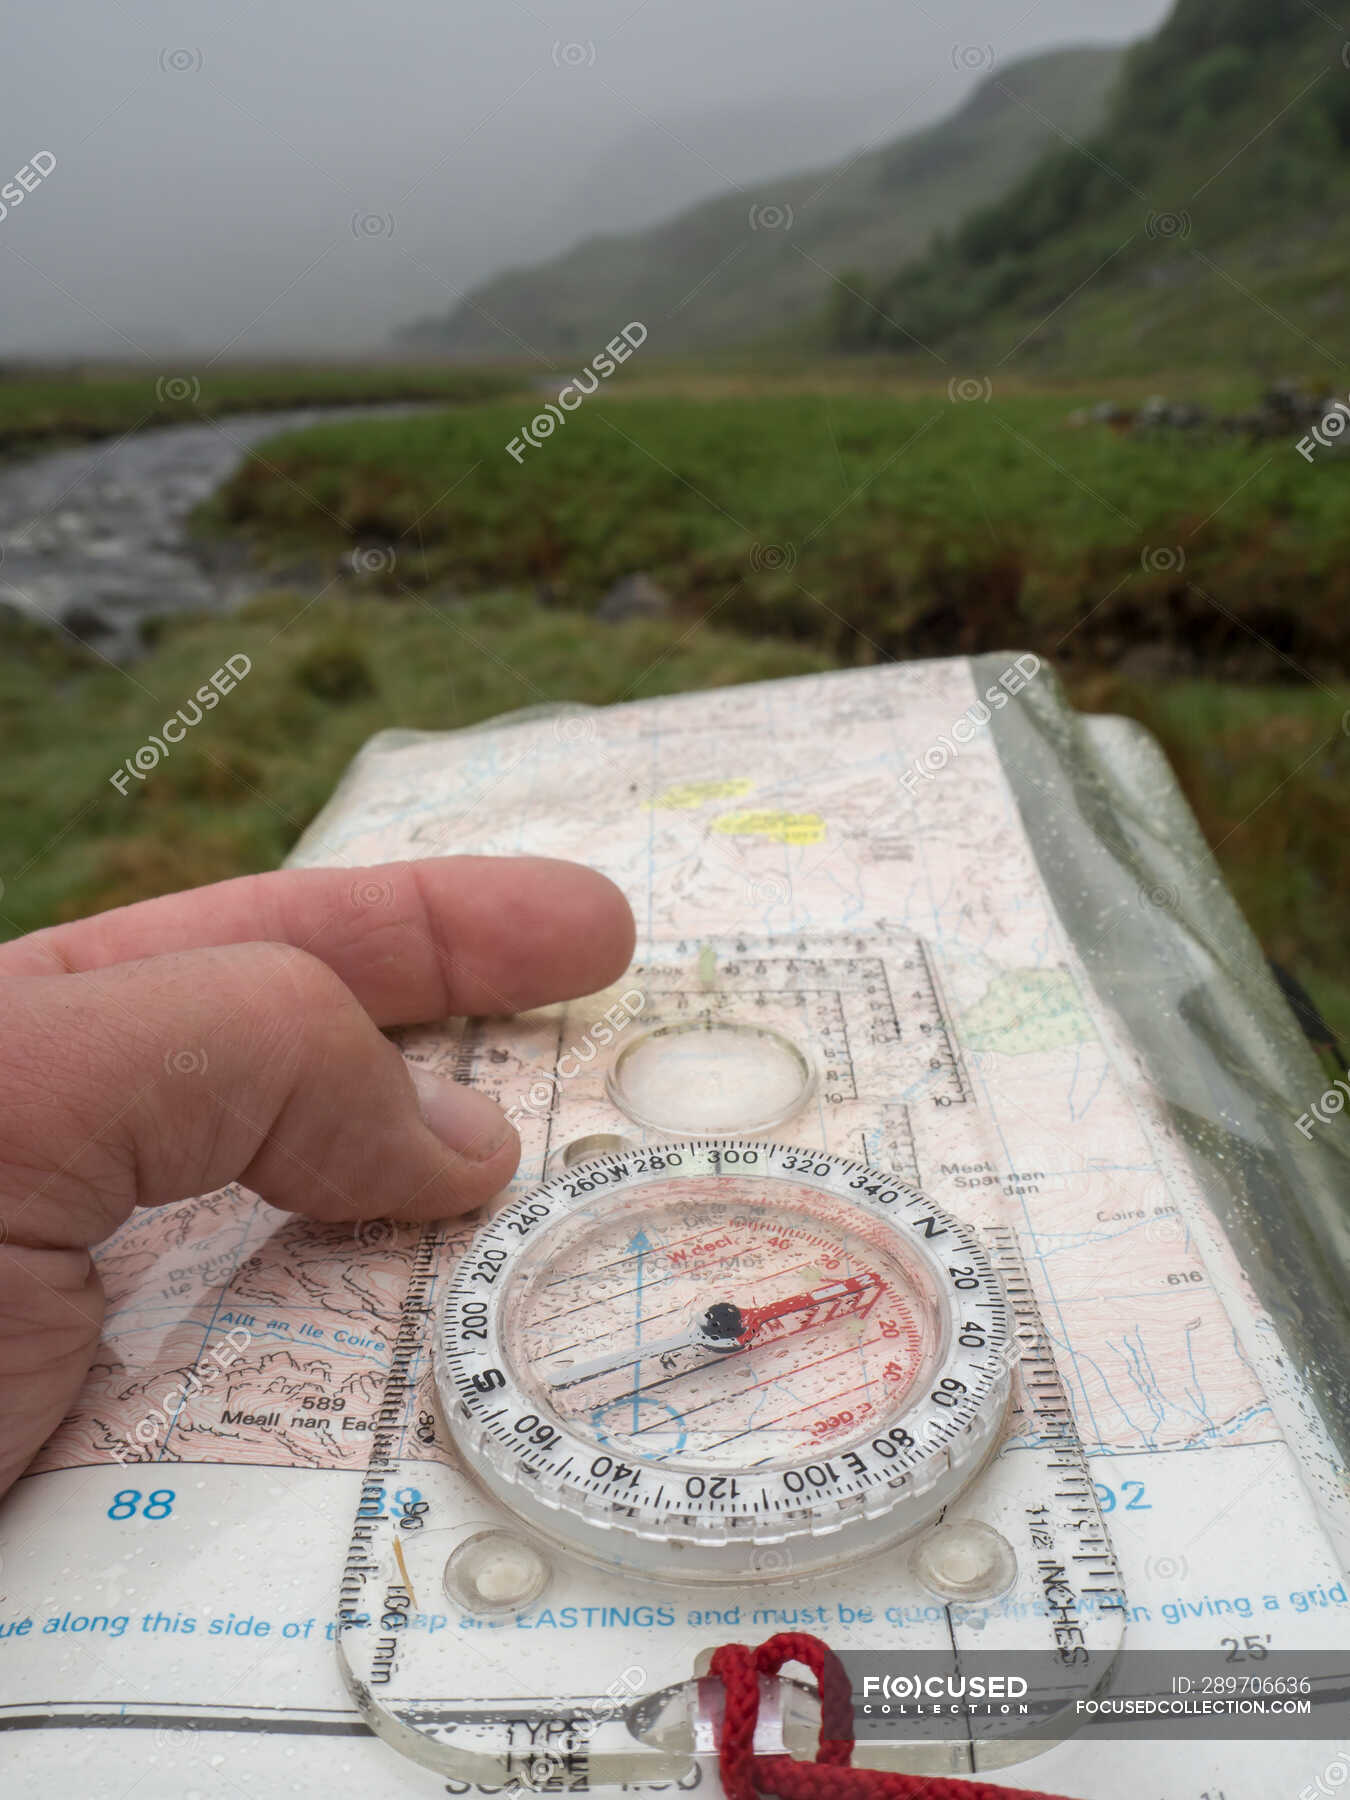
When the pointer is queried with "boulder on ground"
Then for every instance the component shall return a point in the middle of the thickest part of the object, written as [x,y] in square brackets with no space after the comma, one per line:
[633,597]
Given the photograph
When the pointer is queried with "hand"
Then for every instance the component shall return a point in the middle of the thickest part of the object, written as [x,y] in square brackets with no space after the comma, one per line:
[232,1034]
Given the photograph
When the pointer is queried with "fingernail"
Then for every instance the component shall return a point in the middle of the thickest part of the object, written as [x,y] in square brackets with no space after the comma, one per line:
[465,1121]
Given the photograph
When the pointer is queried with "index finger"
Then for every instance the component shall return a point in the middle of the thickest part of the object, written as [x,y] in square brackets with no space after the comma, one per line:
[414,941]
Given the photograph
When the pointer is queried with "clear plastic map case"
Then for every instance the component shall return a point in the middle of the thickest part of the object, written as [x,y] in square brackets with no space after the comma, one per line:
[644,1497]
[929,1246]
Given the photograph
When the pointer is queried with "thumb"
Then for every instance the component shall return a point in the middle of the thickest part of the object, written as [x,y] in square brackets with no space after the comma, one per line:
[150,1081]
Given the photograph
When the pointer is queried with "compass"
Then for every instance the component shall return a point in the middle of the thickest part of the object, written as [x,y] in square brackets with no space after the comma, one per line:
[710,1360]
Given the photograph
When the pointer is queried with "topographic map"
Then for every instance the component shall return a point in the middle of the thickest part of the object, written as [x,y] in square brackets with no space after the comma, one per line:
[840,858]
[789,860]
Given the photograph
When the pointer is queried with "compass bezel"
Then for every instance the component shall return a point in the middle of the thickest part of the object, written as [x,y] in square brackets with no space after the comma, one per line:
[674,1516]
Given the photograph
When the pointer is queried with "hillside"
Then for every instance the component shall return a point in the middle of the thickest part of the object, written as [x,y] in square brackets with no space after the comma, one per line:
[1206,222]
[754,263]
[661,167]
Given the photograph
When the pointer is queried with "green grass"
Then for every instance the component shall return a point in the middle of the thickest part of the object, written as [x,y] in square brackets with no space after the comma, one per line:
[893,524]
[1203,224]
[42,407]
[1267,771]
[1265,767]
[914,525]
[236,793]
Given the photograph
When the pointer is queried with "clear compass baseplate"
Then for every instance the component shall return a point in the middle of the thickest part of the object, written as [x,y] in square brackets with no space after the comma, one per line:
[696,1388]
[681,1359]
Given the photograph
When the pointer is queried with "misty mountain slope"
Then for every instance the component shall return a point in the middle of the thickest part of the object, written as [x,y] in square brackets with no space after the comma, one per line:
[1206,221]
[662,166]
[759,261]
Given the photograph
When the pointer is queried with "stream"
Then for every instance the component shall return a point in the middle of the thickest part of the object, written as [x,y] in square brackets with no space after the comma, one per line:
[95,539]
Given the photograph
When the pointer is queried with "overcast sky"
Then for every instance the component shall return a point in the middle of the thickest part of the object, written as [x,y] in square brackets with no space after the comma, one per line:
[305,175]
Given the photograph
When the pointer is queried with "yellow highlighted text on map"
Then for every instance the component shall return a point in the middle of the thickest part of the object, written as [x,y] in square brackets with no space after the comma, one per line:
[782,827]
[696,793]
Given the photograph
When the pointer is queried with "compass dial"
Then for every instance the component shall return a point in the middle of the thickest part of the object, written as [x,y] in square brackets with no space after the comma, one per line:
[742,1337]
[680,1358]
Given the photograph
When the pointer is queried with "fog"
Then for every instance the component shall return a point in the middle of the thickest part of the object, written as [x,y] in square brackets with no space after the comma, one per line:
[289,176]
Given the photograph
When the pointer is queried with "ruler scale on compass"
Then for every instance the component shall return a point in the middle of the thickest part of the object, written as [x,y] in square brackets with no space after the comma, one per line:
[887,1078]
[880,987]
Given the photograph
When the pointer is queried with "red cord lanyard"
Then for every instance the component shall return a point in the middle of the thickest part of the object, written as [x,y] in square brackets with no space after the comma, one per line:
[831,1776]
